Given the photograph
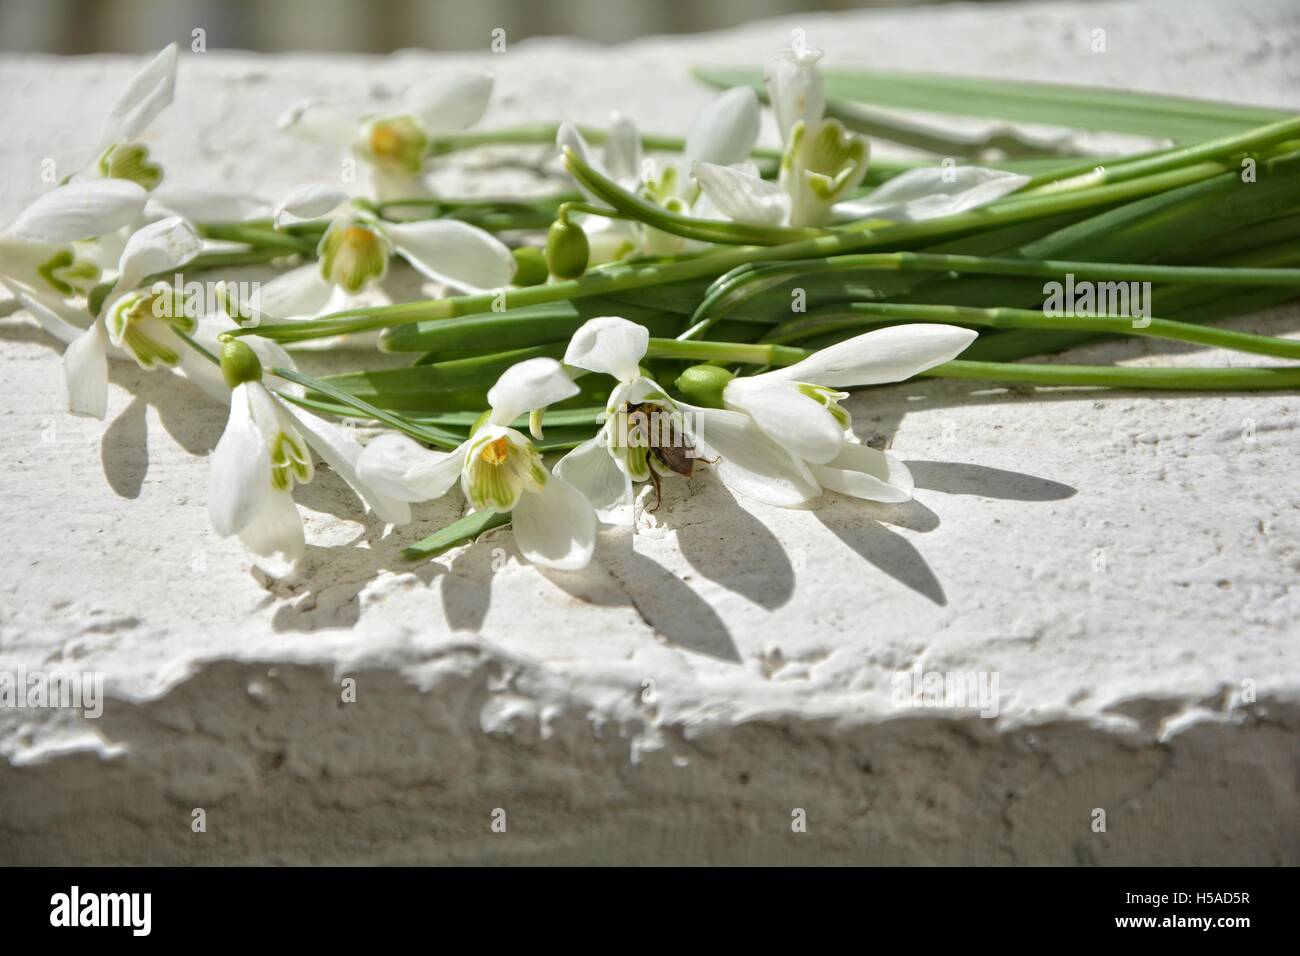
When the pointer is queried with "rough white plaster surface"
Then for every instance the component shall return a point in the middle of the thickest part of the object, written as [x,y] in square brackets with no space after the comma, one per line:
[682,699]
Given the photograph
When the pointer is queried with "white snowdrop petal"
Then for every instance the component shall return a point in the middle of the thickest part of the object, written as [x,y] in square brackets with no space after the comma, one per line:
[402,469]
[148,94]
[240,477]
[724,132]
[307,202]
[593,471]
[527,386]
[454,253]
[276,531]
[556,527]
[742,196]
[623,149]
[886,355]
[451,101]
[80,210]
[85,367]
[749,461]
[932,192]
[341,452]
[801,425]
[158,247]
[610,345]
[300,293]
[865,472]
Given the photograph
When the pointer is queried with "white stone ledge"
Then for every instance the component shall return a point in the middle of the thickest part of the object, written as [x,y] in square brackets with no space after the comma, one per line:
[772,638]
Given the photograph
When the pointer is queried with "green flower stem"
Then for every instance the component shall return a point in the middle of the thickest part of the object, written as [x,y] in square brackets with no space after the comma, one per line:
[231,260]
[545,133]
[1224,147]
[726,352]
[629,277]
[652,214]
[747,281]
[258,237]
[565,209]
[1190,379]
[864,313]
[424,433]
[197,347]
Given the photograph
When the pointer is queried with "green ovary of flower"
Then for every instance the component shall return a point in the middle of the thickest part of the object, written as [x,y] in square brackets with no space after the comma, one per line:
[830,399]
[398,144]
[130,161]
[498,471]
[352,255]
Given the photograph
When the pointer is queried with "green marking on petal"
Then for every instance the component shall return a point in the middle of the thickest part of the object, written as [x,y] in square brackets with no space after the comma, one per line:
[830,399]
[819,167]
[352,255]
[52,272]
[500,468]
[69,275]
[130,161]
[127,324]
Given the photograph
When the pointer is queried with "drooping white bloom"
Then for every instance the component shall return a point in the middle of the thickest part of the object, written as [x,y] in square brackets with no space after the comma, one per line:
[140,321]
[604,467]
[823,163]
[499,470]
[798,406]
[264,451]
[353,254]
[118,154]
[395,145]
[723,133]
[40,262]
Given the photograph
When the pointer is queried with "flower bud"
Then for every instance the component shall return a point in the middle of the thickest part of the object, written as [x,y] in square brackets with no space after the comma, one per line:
[530,266]
[567,249]
[703,384]
[239,363]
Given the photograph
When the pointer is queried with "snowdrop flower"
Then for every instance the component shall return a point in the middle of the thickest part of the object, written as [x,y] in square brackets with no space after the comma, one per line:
[40,261]
[823,163]
[798,406]
[499,470]
[264,451]
[142,322]
[724,132]
[395,145]
[118,155]
[604,467]
[353,254]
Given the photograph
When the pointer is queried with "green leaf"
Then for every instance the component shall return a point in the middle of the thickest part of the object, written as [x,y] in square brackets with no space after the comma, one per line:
[458,532]
[433,436]
[1055,104]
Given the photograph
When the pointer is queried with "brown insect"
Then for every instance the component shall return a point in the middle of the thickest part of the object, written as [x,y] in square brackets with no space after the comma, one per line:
[677,455]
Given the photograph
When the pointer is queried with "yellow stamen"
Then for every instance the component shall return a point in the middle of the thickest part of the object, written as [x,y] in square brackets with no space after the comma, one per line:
[496,452]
